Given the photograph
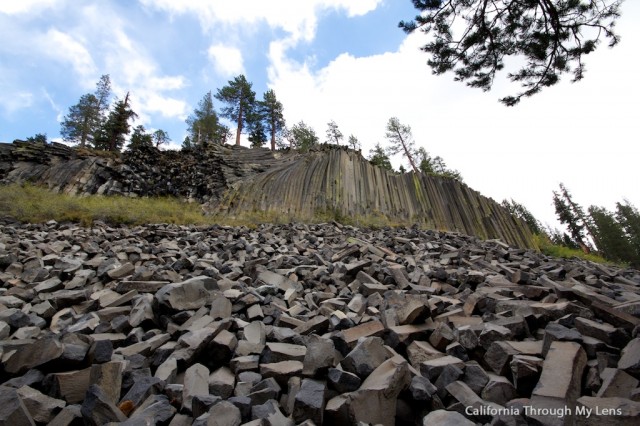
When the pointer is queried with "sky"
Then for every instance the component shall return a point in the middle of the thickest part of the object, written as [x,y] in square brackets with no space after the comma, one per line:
[329,60]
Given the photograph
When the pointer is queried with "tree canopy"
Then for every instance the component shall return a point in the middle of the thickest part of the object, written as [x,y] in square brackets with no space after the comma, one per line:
[272,111]
[401,141]
[302,136]
[113,132]
[83,122]
[378,157]
[204,126]
[333,133]
[613,235]
[472,38]
[239,100]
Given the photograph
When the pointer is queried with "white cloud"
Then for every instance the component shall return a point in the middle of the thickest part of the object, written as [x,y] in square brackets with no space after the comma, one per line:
[297,18]
[12,102]
[226,60]
[15,7]
[54,106]
[66,48]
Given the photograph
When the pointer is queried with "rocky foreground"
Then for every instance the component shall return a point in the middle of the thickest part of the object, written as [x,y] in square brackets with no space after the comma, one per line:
[308,324]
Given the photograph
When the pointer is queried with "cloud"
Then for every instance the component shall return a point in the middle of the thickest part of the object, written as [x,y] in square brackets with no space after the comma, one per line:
[12,102]
[226,60]
[54,106]
[64,47]
[364,91]
[295,17]
[16,7]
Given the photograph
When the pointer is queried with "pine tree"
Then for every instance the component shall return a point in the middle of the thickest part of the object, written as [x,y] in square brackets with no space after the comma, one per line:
[186,144]
[257,135]
[629,218]
[85,119]
[401,141]
[302,136]
[113,133]
[334,135]
[551,36]
[572,215]
[273,114]
[520,211]
[613,244]
[378,157]
[203,125]
[354,143]
[160,137]
[140,138]
[239,100]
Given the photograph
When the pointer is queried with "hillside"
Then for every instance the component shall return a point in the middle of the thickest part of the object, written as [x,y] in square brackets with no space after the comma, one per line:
[326,182]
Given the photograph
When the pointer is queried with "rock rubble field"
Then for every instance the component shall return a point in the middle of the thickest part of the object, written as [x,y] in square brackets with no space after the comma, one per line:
[308,325]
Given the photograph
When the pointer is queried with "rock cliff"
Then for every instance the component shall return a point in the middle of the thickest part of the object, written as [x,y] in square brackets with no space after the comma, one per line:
[236,180]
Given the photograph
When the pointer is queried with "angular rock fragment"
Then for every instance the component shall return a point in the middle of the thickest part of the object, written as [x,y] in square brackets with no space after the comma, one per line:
[98,410]
[309,402]
[13,411]
[560,382]
[446,418]
[190,294]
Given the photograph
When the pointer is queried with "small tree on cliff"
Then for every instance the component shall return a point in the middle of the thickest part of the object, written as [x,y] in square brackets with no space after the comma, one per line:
[353,143]
[334,135]
[203,125]
[84,120]
[435,165]
[272,111]
[572,214]
[401,141]
[378,157]
[520,211]
[302,136]
[114,131]
[140,138]
[160,137]
[240,100]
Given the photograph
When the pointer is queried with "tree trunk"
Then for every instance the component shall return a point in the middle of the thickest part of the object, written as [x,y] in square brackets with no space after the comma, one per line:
[85,132]
[406,152]
[239,124]
[273,134]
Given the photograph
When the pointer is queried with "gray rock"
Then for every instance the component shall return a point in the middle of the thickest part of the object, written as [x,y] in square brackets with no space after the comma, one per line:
[630,357]
[446,418]
[320,355]
[156,409]
[196,382]
[41,407]
[499,390]
[68,416]
[422,389]
[193,293]
[560,381]
[368,355]
[343,381]
[222,382]
[309,402]
[224,414]
[98,410]
[12,409]
[613,411]
[34,355]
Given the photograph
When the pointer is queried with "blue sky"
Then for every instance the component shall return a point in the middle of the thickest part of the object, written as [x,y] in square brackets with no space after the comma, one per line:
[342,60]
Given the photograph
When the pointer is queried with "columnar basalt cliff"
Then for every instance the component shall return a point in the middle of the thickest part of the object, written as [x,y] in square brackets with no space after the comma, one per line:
[341,181]
[236,180]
